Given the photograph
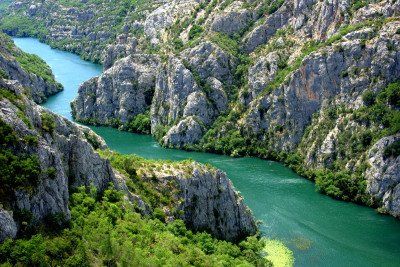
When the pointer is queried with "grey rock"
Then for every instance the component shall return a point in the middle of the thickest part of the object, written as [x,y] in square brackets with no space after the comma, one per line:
[121,92]
[66,149]
[232,20]
[187,132]
[383,177]
[8,228]
[39,89]
[208,60]
[320,78]
[173,86]
[211,203]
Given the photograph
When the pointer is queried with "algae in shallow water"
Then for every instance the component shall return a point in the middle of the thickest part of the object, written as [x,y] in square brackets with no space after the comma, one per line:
[278,253]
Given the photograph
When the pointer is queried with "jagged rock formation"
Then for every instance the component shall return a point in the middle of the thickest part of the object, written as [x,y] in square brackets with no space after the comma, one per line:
[222,212]
[66,159]
[202,196]
[384,175]
[63,156]
[44,156]
[280,79]
[40,86]
[121,92]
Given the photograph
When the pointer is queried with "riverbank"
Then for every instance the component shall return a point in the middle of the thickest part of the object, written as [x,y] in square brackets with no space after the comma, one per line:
[319,230]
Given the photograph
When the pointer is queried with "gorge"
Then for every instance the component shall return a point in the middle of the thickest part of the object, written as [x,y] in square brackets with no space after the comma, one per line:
[189,114]
[319,230]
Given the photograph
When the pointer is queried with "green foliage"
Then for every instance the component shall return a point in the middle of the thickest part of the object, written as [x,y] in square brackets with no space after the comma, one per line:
[313,46]
[109,232]
[48,122]
[393,150]
[140,124]
[92,139]
[342,185]
[384,112]
[160,131]
[17,170]
[34,64]
[368,98]
[23,26]
[391,95]
[3,74]
[226,43]
[195,31]
[275,5]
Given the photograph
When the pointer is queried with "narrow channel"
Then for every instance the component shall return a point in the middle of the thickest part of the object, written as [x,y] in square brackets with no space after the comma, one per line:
[320,231]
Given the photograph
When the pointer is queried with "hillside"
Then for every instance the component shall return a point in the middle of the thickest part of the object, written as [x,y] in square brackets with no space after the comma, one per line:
[314,84]
[67,200]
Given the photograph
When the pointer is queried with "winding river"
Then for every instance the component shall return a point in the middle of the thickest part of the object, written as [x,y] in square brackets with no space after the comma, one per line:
[320,231]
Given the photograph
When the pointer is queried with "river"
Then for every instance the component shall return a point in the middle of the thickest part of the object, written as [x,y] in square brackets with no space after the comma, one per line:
[319,230]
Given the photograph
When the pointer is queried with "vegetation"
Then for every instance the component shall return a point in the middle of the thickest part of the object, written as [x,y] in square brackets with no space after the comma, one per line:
[106,230]
[139,124]
[48,122]
[393,150]
[34,64]
[22,26]
[17,170]
[29,62]
[195,31]
[143,180]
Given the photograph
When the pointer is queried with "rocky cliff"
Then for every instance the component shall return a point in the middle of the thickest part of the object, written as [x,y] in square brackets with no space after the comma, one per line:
[310,83]
[29,70]
[44,157]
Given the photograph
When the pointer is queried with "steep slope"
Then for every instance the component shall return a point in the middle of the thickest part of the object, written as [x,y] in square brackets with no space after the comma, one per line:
[31,71]
[44,158]
[296,81]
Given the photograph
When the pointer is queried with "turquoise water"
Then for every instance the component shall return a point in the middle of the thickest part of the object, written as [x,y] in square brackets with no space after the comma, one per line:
[320,231]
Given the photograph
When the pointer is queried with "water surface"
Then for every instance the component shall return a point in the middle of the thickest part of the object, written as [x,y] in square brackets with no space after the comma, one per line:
[320,231]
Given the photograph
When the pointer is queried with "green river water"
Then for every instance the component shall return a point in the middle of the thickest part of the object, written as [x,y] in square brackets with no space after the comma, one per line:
[319,230]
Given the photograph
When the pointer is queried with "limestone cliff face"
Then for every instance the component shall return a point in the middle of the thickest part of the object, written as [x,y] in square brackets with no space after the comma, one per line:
[384,175]
[212,204]
[59,156]
[202,196]
[249,77]
[66,160]
[40,88]
[65,156]
[331,74]
[121,92]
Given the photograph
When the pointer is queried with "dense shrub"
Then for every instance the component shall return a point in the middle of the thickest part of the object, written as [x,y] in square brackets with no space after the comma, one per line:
[140,124]
[34,64]
[195,31]
[368,98]
[109,232]
[48,122]
[17,170]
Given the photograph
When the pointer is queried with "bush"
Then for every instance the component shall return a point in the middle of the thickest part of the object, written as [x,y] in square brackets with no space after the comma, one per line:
[195,31]
[368,98]
[48,122]
[17,170]
[141,123]
[110,233]
[391,95]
